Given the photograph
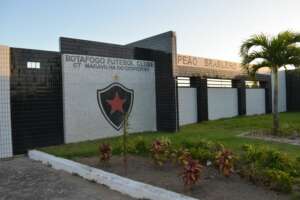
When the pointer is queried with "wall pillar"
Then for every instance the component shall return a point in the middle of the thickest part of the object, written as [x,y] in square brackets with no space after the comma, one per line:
[268,94]
[241,87]
[292,90]
[202,103]
[5,113]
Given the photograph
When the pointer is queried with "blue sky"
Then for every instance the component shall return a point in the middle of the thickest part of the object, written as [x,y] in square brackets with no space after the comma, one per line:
[207,28]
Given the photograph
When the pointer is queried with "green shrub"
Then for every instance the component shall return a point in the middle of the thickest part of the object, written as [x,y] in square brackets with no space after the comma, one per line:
[251,154]
[196,144]
[160,150]
[267,158]
[131,147]
[278,180]
[134,146]
[141,146]
[180,156]
[274,179]
[225,161]
[276,160]
[203,155]
[117,148]
[251,173]
[295,196]
[217,146]
[269,167]
[203,150]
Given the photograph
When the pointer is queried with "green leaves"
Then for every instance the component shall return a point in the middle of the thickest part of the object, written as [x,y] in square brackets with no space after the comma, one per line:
[259,40]
[268,167]
[160,150]
[273,52]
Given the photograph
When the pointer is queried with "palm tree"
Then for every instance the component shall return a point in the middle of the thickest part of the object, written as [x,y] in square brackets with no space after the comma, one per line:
[261,51]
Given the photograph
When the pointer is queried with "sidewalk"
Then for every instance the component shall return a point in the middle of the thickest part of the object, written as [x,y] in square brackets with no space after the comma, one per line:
[23,179]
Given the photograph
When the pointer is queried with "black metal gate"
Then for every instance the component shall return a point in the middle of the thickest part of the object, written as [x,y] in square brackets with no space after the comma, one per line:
[292,90]
[36,99]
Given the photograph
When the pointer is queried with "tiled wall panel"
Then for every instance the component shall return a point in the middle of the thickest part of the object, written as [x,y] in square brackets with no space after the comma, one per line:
[187,103]
[222,103]
[5,123]
[167,104]
[292,90]
[255,101]
[36,99]
[166,99]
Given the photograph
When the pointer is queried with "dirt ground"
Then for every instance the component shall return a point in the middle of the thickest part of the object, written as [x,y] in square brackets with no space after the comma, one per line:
[294,139]
[212,185]
[24,179]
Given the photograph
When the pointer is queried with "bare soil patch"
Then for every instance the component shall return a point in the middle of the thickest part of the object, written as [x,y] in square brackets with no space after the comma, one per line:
[212,185]
[290,139]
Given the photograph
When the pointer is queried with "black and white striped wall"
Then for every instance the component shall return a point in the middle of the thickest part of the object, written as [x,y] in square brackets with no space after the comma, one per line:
[202,99]
[32,100]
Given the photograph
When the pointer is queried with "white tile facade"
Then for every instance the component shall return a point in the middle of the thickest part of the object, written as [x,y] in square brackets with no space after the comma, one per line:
[187,103]
[83,119]
[222,103]
[255,101]
[5,123]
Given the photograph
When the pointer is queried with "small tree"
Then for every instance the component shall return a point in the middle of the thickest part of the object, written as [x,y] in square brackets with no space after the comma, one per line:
[261,51]
[125,134]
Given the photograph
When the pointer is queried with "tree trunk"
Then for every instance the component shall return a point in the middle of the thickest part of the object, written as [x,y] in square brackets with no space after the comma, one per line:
[125,127]
[275,103]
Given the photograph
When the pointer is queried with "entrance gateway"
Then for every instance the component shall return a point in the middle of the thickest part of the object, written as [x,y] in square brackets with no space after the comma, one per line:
[83,91]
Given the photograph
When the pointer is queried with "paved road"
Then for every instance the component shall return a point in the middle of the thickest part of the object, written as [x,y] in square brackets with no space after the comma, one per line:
[24,179]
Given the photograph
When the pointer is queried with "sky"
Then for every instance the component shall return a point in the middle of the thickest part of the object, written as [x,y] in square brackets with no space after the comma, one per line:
[205,28]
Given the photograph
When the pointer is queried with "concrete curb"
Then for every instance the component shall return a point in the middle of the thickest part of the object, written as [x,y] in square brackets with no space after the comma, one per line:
[127,186]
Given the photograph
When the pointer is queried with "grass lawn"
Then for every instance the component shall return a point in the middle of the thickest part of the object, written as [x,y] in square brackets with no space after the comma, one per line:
[223,130]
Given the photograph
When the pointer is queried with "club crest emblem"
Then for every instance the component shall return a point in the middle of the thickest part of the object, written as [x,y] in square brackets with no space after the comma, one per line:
[114,101]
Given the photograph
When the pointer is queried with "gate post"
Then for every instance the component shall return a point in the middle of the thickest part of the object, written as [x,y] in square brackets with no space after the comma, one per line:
[202,104]
[241,87]
[268,94]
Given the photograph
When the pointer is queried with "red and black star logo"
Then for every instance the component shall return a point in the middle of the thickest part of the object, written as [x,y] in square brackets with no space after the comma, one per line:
[114,101]
[116,104]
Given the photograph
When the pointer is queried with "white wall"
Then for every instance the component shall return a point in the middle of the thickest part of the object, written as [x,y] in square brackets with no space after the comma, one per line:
[255,101]
[187,103]
[83,117]
[282,91]
[5,123]
[222,103]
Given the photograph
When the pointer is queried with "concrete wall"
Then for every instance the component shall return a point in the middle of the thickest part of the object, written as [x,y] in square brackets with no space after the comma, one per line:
[282,107]
[84,119]
[222,103]
[166,43]
[163,42]
[5,123]
[187,102]
[255,101]
[166,91]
